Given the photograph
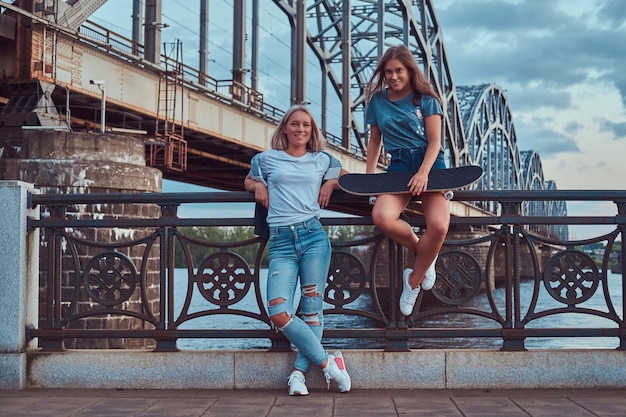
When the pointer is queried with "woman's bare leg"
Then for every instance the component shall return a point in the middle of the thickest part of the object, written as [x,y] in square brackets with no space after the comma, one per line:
[437,215]
[386,216]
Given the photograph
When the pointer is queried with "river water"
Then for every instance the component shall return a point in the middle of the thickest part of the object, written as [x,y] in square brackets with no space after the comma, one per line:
[545,302]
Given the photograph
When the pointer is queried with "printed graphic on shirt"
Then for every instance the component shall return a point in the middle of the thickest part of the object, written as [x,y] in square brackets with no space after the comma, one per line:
[420,125]
[420,122]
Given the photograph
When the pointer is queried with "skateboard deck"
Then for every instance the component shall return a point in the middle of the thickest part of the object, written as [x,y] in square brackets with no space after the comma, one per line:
[396,182]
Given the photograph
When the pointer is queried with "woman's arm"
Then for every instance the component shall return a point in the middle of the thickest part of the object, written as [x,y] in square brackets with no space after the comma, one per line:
[419,182]
[433,135]
[373,150]
[259,189]
[327,188]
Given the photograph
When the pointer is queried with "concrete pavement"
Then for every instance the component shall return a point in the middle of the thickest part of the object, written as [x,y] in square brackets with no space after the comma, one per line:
[320,403]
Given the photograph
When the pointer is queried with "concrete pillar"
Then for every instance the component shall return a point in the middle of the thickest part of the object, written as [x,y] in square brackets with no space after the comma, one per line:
[70,162]
[18,281]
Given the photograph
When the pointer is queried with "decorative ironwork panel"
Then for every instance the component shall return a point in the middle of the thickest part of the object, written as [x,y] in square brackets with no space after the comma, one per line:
[571,277]
[346,279]
[459,277]
[224,278]
[110,278]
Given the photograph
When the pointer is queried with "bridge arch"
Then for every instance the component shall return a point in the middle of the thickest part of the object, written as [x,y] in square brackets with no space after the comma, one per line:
[490,136]
[477,125]
[491,142]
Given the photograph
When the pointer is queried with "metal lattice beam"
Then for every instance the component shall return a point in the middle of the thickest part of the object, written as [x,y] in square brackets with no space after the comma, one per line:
[347,37]
[477,127]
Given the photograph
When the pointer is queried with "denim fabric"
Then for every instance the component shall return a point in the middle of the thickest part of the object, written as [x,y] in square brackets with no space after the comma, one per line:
[300,250]
[405,159]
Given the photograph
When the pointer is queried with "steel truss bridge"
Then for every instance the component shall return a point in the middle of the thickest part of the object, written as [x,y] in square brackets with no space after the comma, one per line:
[48,48]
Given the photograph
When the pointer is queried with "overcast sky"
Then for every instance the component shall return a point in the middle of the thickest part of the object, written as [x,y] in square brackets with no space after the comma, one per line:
[562,64]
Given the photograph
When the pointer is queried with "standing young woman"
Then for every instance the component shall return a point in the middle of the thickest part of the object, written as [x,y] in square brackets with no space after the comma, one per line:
[288,180]
[405,114]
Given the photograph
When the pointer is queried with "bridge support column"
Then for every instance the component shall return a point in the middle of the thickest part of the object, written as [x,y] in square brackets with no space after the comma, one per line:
[68,162]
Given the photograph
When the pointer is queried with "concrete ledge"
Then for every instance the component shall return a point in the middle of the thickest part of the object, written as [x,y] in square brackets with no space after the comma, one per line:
[536,369]
[12,366]
[131,369]
[369,369]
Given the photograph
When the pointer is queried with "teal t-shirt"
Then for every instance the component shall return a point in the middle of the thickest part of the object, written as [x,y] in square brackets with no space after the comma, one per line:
[401,123]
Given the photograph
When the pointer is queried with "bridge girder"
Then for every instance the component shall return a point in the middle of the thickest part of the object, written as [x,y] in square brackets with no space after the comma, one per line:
[477,127]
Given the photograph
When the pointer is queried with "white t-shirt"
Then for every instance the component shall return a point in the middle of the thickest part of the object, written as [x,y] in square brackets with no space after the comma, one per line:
[293,183]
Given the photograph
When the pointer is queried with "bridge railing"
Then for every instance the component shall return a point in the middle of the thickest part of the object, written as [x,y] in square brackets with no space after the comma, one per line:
[170,279]
[227,91]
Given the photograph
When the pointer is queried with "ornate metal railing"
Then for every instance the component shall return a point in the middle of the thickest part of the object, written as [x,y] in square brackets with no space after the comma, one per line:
[115,278]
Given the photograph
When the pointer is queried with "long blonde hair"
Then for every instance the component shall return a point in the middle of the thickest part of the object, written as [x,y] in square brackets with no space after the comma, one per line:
[418,81]
[279,137]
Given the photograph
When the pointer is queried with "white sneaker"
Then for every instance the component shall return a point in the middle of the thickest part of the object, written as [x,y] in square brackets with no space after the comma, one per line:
[431,275]
[336,370]
[296,384]
[409,295]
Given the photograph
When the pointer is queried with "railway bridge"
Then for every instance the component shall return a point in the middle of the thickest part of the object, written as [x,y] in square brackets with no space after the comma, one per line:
[79,103]
[60,71]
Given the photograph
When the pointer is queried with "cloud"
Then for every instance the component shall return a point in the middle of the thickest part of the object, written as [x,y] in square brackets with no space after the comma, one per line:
[532,97]
[573,127]
[616,129]
[535,42]
[547,142]
[613,13]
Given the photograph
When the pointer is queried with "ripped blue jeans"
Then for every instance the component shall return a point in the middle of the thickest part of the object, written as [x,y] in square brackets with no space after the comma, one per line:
[300,251]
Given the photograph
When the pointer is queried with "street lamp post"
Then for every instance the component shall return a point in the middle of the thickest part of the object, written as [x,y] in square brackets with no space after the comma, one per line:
[100,84]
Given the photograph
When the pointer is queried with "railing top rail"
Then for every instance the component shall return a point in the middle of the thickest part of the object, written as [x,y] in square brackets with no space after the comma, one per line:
[244,196]
[541,195]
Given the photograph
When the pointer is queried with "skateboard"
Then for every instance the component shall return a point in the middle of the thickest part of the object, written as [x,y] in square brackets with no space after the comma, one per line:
[396,182]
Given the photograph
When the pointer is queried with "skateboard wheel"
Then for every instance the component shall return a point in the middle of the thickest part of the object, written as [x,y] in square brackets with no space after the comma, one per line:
[372,200]
[448,195]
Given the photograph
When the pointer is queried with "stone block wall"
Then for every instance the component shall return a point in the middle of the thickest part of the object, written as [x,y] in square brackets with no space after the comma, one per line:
[68,162]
